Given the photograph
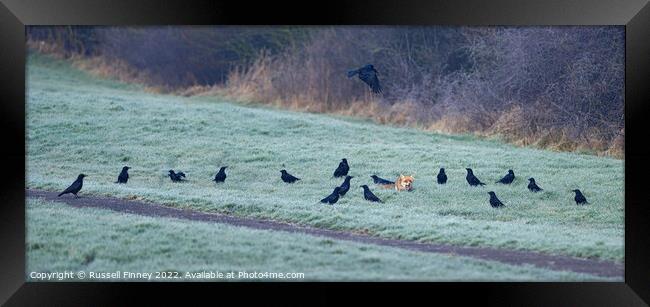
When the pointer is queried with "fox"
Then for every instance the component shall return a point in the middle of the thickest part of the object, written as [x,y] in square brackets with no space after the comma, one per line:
[403,183]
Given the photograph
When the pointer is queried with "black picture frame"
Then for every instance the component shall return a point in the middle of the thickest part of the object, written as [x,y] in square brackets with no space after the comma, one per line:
[633,14]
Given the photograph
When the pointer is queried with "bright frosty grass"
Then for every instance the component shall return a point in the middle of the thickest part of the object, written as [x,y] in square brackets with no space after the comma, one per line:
[58,239]
[76,123]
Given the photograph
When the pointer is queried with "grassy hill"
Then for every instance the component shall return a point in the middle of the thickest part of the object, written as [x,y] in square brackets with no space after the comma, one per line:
[77,123]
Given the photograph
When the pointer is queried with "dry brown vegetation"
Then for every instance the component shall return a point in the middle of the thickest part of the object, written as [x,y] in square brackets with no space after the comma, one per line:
[507,92]
[559,88]
[100,66]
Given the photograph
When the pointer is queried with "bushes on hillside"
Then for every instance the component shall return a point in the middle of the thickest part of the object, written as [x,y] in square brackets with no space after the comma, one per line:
[555,87]
[560,87]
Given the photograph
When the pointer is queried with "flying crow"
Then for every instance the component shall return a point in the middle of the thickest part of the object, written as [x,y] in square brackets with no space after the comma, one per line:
[367,74]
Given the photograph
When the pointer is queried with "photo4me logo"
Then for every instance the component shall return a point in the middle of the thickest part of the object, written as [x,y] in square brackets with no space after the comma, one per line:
[161,275]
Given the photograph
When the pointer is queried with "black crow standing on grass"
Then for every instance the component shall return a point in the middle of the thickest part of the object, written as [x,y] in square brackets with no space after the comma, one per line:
[471,179]
[532,186]
[75,187]
[508,178]
[345,186]
[368,195]
[494,201]
[221,175]
[288,178]
[176,177]
[378,180]
[343,169]
[123,177]
[442,177]
[580,198]
[367,74]
[332,198]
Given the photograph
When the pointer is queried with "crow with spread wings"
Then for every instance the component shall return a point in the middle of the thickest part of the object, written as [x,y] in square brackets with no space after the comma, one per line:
[367,74]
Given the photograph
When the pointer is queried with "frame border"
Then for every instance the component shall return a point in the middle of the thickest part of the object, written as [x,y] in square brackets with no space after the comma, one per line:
[634,14]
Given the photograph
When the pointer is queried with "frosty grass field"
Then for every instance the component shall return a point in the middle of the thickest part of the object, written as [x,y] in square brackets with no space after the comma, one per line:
[59,239]
[80,124]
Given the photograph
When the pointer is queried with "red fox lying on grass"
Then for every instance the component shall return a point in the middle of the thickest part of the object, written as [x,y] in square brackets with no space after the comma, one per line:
[403,183]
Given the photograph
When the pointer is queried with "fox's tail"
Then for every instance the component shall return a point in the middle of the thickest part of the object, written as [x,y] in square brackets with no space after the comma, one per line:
[351,73]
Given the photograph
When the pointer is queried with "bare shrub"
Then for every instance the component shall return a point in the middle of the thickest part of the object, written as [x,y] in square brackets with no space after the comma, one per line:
[553,87]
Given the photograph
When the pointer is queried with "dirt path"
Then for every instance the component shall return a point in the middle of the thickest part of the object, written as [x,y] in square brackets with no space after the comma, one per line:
[560,263]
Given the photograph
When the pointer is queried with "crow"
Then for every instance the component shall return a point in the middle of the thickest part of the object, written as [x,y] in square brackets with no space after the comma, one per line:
[221,175]
[345,186]
[580,198]
[494,201]
[442,177]
[368,195]
[332,198]
[343,169]
[75,187]
[532,186]
[378,180]
[367,74]
[176,177]
[508,178]
[471,179]
[123,177]
[288,178]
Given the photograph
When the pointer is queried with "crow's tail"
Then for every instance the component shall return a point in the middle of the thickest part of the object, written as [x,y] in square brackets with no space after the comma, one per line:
[351,73]
[60,194]
[481,183]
